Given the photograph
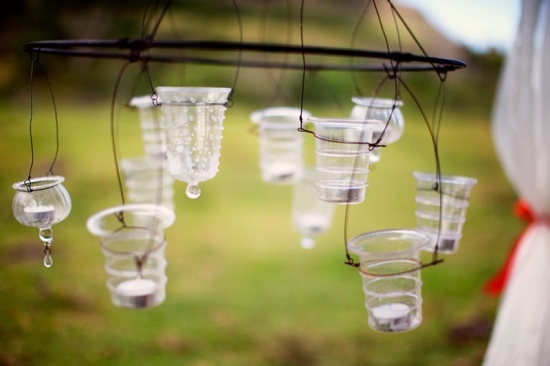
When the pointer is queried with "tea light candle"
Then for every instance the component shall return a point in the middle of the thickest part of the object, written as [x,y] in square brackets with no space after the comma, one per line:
[392,317]
[39,214]
[138,293]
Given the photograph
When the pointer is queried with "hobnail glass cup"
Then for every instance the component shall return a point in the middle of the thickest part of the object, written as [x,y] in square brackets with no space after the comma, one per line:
[193,121]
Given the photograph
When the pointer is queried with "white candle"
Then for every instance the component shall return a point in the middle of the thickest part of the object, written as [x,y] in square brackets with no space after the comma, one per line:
[138,293]
[391,317]
[39,214]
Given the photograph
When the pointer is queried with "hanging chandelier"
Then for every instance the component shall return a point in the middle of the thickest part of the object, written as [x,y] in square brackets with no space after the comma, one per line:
[182,130]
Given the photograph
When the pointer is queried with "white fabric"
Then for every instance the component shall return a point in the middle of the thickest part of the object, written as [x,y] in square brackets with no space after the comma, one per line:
[521,132]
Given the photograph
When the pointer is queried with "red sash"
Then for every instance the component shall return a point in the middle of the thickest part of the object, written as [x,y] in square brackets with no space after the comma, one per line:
[497,284]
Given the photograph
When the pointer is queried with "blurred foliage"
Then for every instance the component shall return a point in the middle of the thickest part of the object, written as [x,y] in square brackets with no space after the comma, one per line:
[325,23]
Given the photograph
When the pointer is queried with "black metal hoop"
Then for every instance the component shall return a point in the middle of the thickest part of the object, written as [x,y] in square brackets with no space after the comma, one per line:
[143,49]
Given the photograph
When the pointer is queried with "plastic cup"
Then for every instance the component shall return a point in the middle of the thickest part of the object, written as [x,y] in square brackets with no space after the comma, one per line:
[385,110]
[311,217]
[389,269]
[147,181]
[152,133]
[281,145]
[342,158]
[132,285]
[133,244]
[442,205]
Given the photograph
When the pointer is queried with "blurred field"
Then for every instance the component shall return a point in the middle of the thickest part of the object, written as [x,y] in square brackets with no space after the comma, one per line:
[241,291]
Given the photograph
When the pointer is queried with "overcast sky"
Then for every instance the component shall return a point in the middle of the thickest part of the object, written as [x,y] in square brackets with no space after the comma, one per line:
[480,24]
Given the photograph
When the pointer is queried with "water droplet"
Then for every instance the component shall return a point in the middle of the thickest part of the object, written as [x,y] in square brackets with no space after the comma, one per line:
[48,261]
[193,191]
[46,235]
[307,243]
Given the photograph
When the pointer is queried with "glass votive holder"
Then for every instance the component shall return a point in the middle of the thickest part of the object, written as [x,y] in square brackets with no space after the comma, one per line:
[441,206]
[390,274]
[41,203]
[342,158]
[133,244]
[281,145]
[193,121]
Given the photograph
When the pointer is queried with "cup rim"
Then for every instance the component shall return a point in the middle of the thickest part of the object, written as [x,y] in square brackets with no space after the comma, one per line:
[222,92]
[257,116]
[343,121]
[364,266]
[142,101]
[374,102]
[423,240]
[192,88]
[41,183]
[165,215]
[445,178]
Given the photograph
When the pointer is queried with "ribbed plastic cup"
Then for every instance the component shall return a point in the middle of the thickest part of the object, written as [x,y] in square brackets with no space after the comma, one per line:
[133,244]
[281,145]
[389,268]
[147,181]
[130,286]
[152,133]
[342,158]
[444,202]
[385,110]
[311,217]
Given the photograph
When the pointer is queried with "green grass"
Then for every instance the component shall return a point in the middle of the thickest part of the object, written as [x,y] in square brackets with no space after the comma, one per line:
[240,290]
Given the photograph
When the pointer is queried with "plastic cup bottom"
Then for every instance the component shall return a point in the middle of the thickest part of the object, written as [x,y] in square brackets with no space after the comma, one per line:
[341,191]
[138,294]
[392,315]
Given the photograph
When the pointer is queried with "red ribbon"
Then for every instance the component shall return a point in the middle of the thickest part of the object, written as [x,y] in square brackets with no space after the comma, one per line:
[497,284]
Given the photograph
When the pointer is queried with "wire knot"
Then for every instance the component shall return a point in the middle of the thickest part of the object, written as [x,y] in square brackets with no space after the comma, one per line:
[27,182]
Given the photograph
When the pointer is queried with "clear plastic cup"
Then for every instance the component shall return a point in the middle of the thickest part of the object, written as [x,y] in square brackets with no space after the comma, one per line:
[311,217]
[152,133]
[135,265]
[281,145]
[133,244]
[342,158]
[385,110]
[147,181]
[442,205]
[389,269]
